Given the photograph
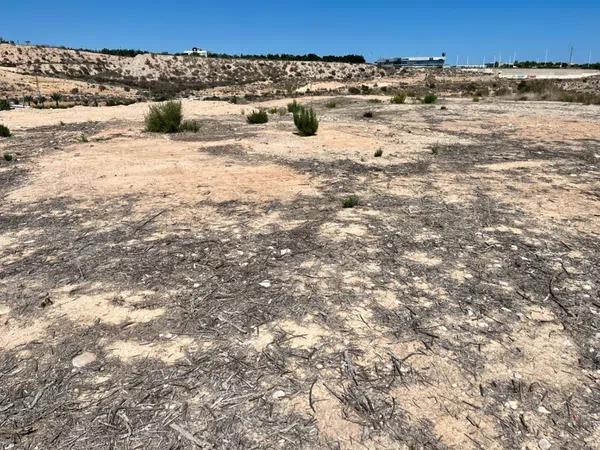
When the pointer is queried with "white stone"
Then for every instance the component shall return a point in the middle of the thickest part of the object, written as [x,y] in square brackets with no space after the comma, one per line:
[277,395]
[265,284]
[544,444]
[83,360]
[543,410]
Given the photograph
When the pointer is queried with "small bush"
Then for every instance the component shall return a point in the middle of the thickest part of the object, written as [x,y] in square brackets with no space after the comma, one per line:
[4,131]
[398,98]
[443,108]
[164,117]
[83,138]
[368,115]
[4,105]
[331,104]
[350,202]
[273,110]
[378,153]
[374,100]
[430,98]
[293,107]
[8,157]
[257,117]
[353,90]
[189,125]
[475,99]
[306,121]
[435,149]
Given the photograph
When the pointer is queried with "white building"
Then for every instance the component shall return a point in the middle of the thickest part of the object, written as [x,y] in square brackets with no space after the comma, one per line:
[197,52]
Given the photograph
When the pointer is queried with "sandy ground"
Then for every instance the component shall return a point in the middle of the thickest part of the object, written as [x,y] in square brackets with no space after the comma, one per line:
[209,290]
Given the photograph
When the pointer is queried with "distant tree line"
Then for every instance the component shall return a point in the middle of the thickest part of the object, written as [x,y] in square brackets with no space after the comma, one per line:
[122,52]
[353,59]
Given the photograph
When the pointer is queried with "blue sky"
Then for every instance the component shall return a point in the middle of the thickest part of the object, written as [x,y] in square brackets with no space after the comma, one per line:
[376,28]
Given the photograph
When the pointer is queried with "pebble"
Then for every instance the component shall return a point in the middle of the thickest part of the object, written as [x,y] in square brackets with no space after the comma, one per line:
[285,251]
[83,360]
[543,410]
[265,284]
[277,395]
[544,444]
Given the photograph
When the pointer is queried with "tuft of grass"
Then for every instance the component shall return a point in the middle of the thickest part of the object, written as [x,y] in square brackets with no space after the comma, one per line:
[350,202]
[83,138]
[273,110]
[8,157]
[368,115]
[430,98]
[306,121]
[435,149]
[378,153]
[4,131]
[293,107]
[331,104]
[164,117]
[259,116]
[189,125]
[475,99]
[443,108]
[398,98]
[4,105]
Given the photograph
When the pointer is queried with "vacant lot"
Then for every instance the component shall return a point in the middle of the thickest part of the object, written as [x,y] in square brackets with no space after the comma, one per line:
[208,289]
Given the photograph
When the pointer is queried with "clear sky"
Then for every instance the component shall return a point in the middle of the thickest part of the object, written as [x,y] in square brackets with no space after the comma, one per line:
[375,28]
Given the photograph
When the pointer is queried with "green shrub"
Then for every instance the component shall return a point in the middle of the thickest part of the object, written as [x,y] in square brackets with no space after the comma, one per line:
[353,90]
[378,153]
[273,110]
[83,138]
[257,117]
[189,125]
[4,131]
[331,104]
[430,98]
[306,121]
[368,115]
[8,157]
[475,99]
[293,107]
[374,100]
[350,202]
[164,117]
[57,97]
[4,105]
[398,98]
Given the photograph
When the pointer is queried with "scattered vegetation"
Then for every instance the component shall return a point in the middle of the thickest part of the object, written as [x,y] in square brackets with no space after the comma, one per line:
[83,138]
[430,98]
[378,153]
[190,126]
[368,114]
[256,117]
[398,98]
[273,110]
[306,121]
[8,157]
[294,106]
[350,202]
[164,117]
[57,97]
[435,149]
[331,104]
[4,131]
[475,99]
[4,105]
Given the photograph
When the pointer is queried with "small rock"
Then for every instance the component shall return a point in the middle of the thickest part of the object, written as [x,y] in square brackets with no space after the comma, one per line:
[544,444]
[265,284]
[285,251]
[513,404]
[543,410]
[83,360]
[277,395]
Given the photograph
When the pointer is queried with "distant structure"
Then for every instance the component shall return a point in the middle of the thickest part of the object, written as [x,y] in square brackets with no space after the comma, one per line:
[414,61]
[195,51]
